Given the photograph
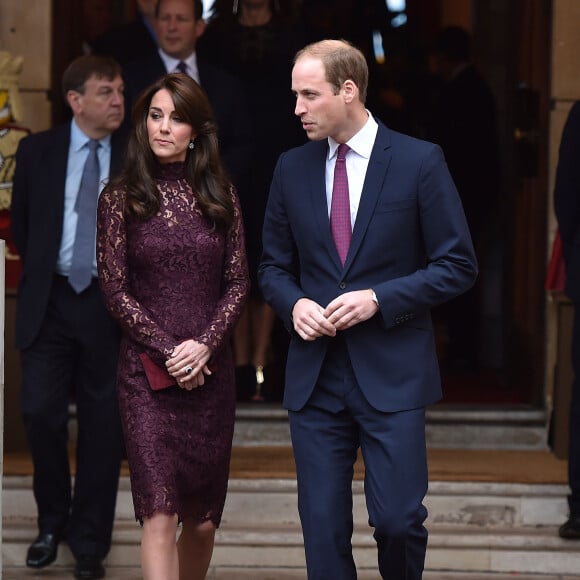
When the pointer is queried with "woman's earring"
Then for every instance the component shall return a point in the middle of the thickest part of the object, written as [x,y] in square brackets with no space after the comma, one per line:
[191,145]
[235,7]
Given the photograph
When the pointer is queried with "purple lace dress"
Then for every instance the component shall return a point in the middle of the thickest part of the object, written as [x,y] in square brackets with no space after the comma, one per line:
[165,280]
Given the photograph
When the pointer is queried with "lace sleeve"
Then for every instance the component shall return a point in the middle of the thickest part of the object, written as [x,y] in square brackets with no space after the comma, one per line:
[114,278]
[235,284]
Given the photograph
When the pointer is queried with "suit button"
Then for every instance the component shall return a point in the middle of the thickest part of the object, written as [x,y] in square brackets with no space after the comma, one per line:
[342,285]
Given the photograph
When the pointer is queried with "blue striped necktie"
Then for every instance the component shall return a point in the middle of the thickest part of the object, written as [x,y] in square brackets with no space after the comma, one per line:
[81,270]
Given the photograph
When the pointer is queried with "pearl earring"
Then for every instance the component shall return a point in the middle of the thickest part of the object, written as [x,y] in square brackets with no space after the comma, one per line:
[191,145]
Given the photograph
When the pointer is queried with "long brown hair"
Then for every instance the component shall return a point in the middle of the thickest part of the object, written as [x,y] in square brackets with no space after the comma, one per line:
[203,168]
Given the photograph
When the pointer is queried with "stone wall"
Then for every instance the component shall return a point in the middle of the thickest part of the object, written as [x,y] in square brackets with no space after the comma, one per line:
[25,29]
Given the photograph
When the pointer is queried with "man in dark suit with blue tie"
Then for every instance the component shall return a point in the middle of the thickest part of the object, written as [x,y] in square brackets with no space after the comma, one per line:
[68,342]
[362,364]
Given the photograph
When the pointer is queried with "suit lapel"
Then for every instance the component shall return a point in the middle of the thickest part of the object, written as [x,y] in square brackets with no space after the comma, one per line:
[372,188]
[53,173]
[317,182]
[56,169]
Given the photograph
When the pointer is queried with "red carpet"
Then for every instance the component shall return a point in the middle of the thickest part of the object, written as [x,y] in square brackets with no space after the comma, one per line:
[483,388]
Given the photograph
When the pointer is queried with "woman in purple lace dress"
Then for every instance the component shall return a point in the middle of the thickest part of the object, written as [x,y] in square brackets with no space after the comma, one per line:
[173,270]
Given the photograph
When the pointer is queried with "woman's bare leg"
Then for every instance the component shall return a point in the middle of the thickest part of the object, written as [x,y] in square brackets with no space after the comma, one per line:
[159,559]
[195,547]
[263,318]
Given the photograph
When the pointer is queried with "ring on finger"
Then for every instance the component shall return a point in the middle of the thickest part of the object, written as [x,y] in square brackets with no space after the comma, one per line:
[188,369]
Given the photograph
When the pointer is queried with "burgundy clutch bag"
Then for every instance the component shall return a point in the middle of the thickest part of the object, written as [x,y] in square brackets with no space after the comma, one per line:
[157,376]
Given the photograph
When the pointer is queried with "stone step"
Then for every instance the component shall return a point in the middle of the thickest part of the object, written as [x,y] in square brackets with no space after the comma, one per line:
[269,573]
[448,427]
[484,527]
[263,502]
[451,548]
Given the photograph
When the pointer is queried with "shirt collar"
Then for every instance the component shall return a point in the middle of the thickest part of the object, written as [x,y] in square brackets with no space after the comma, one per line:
[171,63]
[361,143]
[78,139]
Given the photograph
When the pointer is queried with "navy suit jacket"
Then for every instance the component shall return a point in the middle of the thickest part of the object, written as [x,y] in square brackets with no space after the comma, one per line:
[126,42]
[227,98]
[410,243]
[567,201]
[37,213]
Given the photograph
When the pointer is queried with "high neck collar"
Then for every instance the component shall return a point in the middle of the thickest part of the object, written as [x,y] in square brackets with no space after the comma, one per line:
[170,171]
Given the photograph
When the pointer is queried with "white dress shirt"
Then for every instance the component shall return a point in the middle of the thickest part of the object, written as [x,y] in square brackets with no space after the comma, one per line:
[190,62]
[77,156]
[357,161]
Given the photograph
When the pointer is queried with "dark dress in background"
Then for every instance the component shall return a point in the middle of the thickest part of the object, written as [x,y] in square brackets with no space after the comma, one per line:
[261,58]
[167,279]
[463,121]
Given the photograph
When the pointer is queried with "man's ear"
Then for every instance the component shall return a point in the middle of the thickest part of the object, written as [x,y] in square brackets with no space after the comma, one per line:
[199,27]
[350,91]
[73,98]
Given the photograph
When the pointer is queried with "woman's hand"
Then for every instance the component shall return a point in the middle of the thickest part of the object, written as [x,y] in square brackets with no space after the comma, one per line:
[188,364]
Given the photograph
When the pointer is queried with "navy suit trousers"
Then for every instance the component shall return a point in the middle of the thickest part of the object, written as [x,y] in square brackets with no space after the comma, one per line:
[326,436]
[75,355]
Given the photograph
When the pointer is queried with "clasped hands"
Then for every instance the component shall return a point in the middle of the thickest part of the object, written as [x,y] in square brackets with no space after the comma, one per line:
[311,321]
[188,364]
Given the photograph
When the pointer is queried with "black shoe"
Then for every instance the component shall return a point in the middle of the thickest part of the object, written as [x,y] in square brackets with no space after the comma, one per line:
[571,529]
[43,551]
[89,568]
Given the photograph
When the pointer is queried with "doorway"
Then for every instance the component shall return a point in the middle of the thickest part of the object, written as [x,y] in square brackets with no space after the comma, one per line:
[510,44]
[511,49]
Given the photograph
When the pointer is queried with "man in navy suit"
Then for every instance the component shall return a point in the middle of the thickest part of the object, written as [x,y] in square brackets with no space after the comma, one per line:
[567,206]
[361,365]
[68,342]
[179,24]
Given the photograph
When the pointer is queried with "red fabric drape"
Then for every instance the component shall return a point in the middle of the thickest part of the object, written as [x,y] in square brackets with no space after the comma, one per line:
[556,276]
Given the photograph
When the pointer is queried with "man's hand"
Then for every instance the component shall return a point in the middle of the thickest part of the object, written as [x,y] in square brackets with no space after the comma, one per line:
[351,308]
[309,320]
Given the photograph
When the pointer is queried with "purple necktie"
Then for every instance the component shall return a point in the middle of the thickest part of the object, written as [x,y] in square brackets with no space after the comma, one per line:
[182,67]
[340,205]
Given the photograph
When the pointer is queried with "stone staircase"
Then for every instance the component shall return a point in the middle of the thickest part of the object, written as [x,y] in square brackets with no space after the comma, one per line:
[518,427]
[474,527]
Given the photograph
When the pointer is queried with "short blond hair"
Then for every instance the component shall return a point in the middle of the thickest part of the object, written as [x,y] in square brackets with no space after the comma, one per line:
[342,61]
